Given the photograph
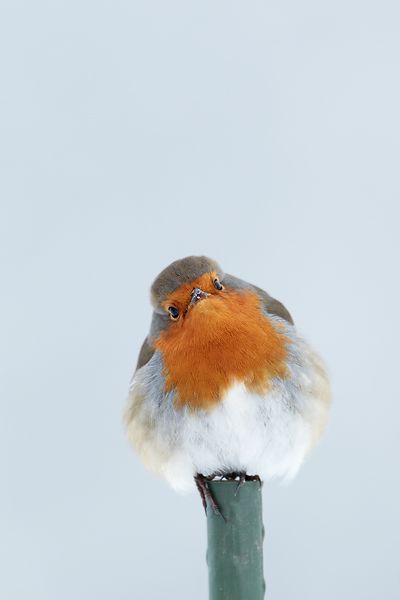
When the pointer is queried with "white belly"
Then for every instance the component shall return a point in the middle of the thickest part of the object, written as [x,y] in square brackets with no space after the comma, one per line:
[245,432]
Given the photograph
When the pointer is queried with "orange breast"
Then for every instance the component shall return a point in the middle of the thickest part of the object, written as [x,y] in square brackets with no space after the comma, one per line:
[222,340]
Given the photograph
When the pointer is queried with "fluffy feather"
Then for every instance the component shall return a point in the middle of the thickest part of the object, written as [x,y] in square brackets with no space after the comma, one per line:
[268,434]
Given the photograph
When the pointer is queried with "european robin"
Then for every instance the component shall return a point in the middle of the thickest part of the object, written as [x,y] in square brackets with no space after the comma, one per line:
[224,385]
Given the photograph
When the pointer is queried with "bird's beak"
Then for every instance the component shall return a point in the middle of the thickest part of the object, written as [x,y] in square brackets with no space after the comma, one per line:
[197,295]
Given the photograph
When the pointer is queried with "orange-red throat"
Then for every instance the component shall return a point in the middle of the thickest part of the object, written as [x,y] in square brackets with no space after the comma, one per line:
[221,339]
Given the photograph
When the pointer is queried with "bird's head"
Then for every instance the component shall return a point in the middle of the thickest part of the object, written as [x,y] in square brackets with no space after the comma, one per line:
[183,286]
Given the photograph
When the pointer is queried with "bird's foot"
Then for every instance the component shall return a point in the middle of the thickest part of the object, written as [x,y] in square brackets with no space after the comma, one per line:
[242,479]
[253,478]
[205,494]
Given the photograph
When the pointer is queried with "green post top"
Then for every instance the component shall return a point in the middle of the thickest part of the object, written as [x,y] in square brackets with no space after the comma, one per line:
[235,542]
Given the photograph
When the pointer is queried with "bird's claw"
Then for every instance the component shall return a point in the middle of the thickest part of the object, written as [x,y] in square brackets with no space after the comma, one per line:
[205,494]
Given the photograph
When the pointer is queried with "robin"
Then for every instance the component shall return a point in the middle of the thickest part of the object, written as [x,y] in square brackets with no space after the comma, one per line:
[224,385]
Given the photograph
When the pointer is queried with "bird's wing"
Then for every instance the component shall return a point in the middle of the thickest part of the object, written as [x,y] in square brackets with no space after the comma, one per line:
[145,354]
[271,305]
[159,322]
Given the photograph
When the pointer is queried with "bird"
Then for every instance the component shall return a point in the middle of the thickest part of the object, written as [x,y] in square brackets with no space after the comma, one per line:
[224,384]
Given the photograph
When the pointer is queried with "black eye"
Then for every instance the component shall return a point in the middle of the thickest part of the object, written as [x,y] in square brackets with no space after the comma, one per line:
[174,312]
[217,284]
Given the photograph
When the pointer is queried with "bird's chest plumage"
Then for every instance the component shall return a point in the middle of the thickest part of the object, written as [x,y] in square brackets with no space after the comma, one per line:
[224,342]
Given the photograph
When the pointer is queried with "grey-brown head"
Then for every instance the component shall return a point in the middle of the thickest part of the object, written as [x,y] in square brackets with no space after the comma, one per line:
[180,272]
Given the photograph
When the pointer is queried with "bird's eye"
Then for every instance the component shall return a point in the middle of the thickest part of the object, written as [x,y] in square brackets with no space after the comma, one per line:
[173,312]
[217,284]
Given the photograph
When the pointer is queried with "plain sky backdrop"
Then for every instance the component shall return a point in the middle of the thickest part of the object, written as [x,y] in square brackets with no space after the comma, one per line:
[264,134]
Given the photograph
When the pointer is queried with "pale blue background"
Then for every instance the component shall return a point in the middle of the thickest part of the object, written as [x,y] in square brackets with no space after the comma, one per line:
[265,134]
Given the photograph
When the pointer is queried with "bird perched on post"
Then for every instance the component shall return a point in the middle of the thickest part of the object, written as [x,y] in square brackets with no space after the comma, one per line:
[224,385]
